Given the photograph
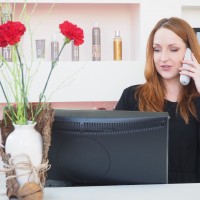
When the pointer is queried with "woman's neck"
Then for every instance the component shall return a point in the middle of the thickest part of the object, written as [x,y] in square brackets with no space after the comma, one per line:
[172,91]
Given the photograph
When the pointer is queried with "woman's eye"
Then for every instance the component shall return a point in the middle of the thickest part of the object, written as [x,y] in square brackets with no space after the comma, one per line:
[156,50]
[174,50]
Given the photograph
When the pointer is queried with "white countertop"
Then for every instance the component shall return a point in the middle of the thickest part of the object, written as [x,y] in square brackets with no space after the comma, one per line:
[125,192]
[131,192]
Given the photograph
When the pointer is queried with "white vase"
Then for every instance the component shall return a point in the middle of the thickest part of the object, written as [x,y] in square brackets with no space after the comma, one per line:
[24,143]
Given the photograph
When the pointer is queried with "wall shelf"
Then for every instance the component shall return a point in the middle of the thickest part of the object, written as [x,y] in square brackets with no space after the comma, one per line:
[104,80]
[84,81]
[124,17]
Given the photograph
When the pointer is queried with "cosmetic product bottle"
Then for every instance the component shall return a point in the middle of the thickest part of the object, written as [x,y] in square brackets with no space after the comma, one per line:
[54,48]
[40,48]
[117,46]
[6,53]
[6,13]
[6,16]
[75,52]
[96,42]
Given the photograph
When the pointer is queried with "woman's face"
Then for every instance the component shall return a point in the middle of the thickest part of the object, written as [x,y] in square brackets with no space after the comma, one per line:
[169,51]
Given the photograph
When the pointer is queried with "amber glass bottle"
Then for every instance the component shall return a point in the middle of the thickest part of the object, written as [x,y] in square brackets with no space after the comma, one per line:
[117,46]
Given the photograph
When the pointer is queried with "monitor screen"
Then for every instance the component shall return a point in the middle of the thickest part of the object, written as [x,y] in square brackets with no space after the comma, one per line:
[104,147]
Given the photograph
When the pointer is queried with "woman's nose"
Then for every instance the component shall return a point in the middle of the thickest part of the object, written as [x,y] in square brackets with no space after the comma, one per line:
[164,56]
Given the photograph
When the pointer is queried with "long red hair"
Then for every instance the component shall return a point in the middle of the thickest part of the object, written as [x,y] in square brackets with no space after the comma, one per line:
[151,95]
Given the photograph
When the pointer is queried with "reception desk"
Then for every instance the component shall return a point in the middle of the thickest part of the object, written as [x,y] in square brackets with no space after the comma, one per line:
[131,192]
[125,192]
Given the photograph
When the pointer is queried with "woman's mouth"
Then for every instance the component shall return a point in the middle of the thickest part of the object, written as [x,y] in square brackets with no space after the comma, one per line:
[166,67]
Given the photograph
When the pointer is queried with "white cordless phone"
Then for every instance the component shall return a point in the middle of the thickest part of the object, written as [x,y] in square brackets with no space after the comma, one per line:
[183,78]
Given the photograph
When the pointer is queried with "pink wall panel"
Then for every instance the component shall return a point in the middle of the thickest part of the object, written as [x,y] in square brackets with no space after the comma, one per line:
[100,105]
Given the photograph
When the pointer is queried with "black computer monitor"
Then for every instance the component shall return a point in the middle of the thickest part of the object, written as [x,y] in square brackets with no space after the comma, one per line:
[104,147]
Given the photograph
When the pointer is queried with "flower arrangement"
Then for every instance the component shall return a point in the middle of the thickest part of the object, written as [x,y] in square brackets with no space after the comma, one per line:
[11,34]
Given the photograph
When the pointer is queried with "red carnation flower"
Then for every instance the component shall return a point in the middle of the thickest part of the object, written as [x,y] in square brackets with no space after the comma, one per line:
[3,42]
[11,33]
[72,32]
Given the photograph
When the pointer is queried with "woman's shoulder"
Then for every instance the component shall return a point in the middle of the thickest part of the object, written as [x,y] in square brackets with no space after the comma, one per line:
[197,106]
[197,101]
[127,100]
[131,89]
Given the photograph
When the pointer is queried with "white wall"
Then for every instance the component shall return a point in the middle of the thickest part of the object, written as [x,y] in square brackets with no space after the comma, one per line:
[104,81]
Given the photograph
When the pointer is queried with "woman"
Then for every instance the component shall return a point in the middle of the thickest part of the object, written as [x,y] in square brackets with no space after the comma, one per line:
[163,91]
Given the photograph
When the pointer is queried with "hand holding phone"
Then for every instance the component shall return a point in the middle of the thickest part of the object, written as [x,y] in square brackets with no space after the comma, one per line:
[183,78]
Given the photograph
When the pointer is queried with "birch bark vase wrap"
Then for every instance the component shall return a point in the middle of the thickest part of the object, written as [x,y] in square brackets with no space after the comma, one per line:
[25,144]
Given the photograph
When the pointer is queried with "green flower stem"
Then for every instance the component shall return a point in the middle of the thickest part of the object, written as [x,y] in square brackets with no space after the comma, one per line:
[10,107]
[53,64]
[23,87]
[4,94]
[12,112]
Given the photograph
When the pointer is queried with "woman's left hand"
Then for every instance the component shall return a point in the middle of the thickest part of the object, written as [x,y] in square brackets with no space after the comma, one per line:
[193,71]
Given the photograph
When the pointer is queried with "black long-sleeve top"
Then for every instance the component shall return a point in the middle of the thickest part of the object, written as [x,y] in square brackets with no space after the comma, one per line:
[184,139]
